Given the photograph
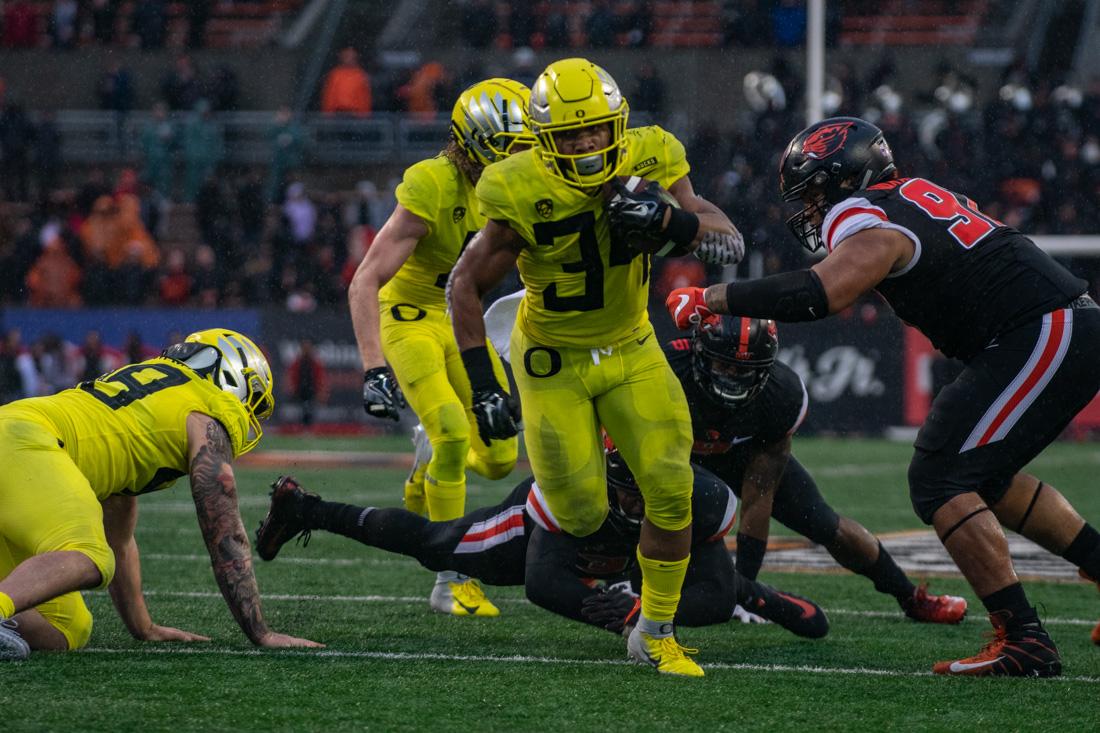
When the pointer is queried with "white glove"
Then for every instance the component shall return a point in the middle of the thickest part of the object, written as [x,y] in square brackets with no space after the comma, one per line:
[747,617]
[717,248]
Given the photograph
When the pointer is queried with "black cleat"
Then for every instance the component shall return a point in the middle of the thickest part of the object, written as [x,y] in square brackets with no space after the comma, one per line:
[285,517]
[1023,651]
[796,614]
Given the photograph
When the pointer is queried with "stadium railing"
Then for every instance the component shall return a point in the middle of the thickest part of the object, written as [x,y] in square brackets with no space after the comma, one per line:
[103,137]
[100,137]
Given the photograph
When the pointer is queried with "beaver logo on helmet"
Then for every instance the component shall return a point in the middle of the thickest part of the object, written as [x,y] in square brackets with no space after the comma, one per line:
[826,140]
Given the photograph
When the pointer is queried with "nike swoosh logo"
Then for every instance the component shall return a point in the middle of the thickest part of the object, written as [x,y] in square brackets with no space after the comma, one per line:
[737,441]
[684,300]
[967,666]
[469,609]
[808,611]
[643,339]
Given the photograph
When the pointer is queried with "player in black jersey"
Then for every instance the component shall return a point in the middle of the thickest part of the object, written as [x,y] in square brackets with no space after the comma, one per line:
[590,579]
[745,408]
[983,293]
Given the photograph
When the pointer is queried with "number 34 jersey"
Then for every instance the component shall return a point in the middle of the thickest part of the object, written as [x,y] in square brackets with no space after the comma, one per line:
[971,277]
[582,289]
[126,431]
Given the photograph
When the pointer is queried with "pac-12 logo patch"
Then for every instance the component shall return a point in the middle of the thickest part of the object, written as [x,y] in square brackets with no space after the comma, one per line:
[826,140]
[545,207]
[458,213]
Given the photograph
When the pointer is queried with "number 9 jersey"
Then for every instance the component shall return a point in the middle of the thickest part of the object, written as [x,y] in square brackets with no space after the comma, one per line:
[583,290]
[971,277]
[127,430]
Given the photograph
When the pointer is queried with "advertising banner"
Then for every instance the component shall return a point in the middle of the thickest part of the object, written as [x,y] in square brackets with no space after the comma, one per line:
[338,385]
[852,369]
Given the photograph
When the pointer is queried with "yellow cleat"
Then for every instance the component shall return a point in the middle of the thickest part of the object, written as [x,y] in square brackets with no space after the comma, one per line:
[462,597]
[664,653]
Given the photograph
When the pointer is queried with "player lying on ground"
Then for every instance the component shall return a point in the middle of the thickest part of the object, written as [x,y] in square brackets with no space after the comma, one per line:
[74,464]
[745,408]
[982,292]
[518,542]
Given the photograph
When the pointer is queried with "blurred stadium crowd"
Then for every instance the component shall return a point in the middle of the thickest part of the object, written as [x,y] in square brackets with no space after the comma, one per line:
[1027,151]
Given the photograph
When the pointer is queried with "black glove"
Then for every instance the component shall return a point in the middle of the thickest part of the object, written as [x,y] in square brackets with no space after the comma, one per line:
[637,214]
[382,397]
[497,414]
[612,610]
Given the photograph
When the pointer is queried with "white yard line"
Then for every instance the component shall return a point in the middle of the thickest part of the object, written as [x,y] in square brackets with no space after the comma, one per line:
[522,659]
[522,601]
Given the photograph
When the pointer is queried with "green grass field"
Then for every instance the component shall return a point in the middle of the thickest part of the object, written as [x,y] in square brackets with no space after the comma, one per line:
[391,664]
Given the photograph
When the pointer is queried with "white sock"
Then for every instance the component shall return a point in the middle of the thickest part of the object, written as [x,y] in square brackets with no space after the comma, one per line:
[446,576]
[656,629]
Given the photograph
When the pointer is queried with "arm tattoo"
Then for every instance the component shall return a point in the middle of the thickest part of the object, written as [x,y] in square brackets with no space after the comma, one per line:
[714,297]
[215,493]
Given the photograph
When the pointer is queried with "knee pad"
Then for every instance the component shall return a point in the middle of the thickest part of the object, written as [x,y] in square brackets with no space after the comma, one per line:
[69,615]
[493,470]
[449,433]
[925,492]
[494,462]
[583,514]
[100,554]
[668,505]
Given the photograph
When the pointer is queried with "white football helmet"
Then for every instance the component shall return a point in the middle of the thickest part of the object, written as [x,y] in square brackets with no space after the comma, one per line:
[236,365]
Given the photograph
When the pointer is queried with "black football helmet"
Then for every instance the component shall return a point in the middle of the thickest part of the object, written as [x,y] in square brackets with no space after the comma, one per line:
[832,159]
[620,478]
[731,359]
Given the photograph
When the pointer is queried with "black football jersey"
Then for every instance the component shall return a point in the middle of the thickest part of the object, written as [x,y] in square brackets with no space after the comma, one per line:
[609,552]
[971,277]
[726,437]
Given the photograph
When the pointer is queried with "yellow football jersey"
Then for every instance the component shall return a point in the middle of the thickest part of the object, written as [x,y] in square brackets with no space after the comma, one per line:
[582,290]
[441,195]
[127,430]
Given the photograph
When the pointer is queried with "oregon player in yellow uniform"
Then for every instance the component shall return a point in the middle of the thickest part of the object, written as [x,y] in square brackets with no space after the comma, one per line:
[583,350]
[400,316]
[74,463]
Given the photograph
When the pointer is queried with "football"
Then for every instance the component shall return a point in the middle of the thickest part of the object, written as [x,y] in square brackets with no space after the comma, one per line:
[623,229]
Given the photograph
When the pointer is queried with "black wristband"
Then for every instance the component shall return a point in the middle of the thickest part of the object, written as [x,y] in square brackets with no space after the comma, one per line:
[788,296]
[479,368]
[682,227]
[750,555]
[373,371]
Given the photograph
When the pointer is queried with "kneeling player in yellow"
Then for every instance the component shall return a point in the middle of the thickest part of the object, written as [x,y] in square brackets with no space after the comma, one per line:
[74,463]
[583,347]
[400,316]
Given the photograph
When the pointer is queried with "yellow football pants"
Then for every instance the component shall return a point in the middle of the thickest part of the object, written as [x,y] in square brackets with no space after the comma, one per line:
[420,347]
[629,389]
[48,506]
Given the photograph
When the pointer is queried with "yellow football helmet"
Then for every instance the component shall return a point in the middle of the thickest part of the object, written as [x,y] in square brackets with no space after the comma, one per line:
[569,95]
[488,120]
[235,364]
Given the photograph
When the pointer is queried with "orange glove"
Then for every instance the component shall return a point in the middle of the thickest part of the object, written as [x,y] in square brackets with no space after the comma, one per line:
[687,308]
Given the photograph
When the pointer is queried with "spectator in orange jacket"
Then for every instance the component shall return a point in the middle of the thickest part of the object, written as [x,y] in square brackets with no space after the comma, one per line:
[54,279]
[114,233]
[347,87]
[421,95]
